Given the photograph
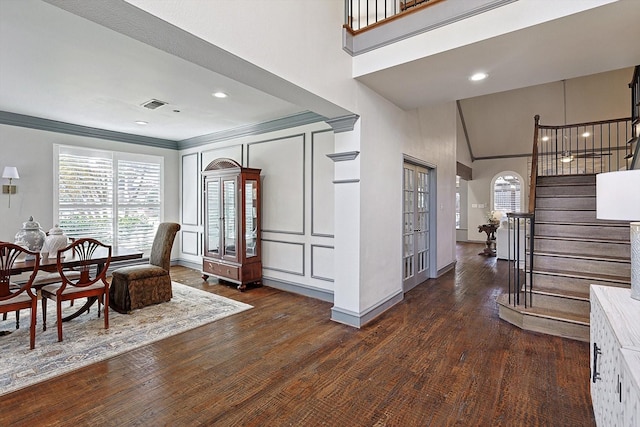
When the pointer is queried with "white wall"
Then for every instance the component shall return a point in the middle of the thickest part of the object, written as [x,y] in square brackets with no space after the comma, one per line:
[480,190]
[31,151]
[372,271]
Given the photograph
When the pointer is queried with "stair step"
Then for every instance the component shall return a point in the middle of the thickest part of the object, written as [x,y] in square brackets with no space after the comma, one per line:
[565,190]
[572,304]
[567,203]
[547,321]
[572,216]
[583,230]
[571,281]
[600,265]
[588,247]
[566,179]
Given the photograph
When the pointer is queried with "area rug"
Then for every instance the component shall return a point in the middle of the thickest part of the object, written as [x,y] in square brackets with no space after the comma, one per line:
[86,341]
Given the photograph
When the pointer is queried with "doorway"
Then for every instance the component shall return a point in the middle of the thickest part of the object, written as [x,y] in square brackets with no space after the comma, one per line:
[418,220]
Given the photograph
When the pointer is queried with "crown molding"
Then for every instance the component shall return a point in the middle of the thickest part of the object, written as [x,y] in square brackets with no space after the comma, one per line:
[287,122]
[31,122]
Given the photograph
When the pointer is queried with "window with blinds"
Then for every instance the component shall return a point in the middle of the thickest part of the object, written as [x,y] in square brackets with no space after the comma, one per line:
[110,196]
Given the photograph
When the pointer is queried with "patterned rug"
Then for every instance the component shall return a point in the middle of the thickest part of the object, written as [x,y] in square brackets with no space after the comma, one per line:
[86,341]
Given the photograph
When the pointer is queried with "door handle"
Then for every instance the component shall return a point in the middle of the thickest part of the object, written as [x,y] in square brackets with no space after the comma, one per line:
[596,374]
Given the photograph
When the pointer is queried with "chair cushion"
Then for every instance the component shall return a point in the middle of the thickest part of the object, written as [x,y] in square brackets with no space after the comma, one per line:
[137,272]
[23,297]
[52,289]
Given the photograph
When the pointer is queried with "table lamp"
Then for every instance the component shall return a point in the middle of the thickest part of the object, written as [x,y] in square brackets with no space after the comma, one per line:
[618,198]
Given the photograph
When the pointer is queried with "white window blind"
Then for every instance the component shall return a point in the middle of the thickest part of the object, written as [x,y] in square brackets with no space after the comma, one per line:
[138,203]
[85,200]
[110,196]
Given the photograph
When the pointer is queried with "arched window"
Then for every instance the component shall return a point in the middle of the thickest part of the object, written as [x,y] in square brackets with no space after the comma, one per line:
[507,192]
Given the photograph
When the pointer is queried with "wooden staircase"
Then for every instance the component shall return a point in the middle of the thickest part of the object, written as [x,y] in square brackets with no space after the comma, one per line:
[572,250]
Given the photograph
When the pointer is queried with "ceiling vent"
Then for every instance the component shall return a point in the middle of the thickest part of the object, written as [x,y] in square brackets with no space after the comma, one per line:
[153,104]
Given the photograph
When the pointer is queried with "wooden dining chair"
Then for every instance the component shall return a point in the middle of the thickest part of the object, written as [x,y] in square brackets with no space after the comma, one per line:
[84,278]
[13,296]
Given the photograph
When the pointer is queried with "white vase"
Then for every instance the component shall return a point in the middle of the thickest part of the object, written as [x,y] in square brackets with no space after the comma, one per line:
[54,241]
[31,236]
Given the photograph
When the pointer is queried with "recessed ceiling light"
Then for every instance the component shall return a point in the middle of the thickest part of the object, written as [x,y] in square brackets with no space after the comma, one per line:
[586,135]
[545,138]
[478,76]
[141,122]
[219,94]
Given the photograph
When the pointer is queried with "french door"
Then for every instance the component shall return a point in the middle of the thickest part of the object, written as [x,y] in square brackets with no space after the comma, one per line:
[416,220]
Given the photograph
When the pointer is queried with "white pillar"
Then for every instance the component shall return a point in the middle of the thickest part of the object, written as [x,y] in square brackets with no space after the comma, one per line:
[346,293]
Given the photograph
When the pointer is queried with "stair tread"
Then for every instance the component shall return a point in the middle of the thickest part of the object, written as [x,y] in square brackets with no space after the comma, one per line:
[623,260]
[584,275]
[599,223]
[567,196]
[544,312]
[566,184]
[562,293]
[584,239]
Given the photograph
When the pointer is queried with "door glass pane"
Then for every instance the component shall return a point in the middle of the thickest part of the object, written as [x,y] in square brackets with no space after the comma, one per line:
[213,216]
[251,217]
[408,226]
[229,209]
[422,213]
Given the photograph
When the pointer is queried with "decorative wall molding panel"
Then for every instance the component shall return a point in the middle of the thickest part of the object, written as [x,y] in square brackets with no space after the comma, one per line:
[287,257]
[322,264]
[190,242]
[322,191]
[190,186]
[282,161]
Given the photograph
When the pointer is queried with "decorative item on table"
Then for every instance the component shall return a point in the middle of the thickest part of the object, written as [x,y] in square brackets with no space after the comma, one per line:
[31,236]
[494,217]
[54,241]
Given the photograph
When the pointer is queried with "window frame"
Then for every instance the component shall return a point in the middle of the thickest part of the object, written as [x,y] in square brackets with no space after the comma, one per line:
[115,156]
[523,189]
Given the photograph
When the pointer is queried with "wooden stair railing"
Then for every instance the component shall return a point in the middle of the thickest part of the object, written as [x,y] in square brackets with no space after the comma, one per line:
[534,167]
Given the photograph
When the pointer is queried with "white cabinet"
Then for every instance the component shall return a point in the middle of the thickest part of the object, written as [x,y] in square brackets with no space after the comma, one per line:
[629,391]
[615,356]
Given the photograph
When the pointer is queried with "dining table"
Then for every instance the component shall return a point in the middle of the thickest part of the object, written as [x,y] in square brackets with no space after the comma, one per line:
[99,258]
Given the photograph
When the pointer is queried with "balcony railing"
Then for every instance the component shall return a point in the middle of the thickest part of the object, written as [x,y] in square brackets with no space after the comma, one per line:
[360,14]
[585,148]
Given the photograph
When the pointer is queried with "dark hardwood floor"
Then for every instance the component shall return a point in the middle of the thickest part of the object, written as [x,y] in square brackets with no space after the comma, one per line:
[440,357]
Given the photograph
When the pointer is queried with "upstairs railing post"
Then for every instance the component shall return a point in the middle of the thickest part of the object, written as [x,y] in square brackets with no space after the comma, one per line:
[534,167]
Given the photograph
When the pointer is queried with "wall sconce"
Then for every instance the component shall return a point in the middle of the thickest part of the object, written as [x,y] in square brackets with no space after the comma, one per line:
[10,172]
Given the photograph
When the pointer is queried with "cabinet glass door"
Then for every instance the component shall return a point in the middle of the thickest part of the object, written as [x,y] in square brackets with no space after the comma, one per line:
[229,215]
[251,217]
[213,217]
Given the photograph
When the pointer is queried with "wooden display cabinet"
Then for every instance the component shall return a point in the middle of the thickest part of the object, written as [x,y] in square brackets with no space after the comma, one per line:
[232,223]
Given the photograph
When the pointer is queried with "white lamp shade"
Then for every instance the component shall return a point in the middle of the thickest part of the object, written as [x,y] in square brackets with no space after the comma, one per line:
[10,172]
[618,195]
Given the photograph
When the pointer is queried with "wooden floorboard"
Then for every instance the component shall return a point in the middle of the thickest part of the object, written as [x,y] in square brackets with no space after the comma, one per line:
[440,357]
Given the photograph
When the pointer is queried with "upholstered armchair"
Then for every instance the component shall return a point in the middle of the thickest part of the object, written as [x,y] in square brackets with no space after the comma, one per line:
[138,286]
